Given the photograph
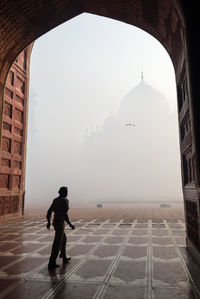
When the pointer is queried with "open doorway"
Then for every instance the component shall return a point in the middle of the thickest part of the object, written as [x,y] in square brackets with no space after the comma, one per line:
[109,119]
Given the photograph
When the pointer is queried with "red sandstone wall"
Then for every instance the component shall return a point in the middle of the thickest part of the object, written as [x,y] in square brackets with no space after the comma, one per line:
[12,168]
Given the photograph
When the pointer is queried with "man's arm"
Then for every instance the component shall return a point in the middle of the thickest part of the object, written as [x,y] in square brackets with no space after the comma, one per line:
[48,216]
[66,214]
[68,221]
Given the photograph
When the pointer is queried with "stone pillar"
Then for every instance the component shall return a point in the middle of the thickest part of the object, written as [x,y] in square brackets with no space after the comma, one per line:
[14,136]
[188,88]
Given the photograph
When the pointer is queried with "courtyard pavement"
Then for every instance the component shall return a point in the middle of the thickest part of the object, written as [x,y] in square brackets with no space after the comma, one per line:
[124,259]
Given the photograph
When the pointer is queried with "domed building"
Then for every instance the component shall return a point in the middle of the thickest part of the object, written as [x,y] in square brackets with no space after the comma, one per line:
[143,103]
[135,155]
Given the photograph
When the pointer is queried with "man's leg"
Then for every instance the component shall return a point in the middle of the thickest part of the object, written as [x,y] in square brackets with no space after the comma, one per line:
[63,246]
[56,246]
[63,249]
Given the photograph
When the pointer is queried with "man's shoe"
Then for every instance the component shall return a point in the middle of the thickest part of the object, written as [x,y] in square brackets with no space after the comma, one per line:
[53,266]
[61,256]
[66,259]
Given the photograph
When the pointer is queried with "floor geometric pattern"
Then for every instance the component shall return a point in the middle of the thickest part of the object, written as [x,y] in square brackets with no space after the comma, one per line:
[123,259]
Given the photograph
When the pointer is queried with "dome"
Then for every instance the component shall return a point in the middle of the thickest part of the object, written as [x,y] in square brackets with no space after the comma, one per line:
[143,103]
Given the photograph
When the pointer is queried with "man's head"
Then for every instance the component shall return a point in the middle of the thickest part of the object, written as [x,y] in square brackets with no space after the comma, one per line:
[63,191]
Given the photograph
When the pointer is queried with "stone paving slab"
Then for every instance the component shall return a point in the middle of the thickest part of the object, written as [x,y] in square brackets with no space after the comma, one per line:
[111,259]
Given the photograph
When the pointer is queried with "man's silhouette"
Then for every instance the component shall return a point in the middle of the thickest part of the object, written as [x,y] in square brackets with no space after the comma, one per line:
[60,207]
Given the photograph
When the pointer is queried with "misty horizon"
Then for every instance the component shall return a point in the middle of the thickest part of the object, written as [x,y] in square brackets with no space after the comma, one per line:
[77,135]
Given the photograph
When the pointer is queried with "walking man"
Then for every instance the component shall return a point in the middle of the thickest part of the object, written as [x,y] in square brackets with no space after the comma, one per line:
[60,207]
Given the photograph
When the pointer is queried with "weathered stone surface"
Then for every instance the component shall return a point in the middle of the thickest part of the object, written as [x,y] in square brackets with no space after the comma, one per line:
[99,271]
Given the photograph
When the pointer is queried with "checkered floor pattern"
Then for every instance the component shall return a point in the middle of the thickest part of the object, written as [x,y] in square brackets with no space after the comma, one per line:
[110,259]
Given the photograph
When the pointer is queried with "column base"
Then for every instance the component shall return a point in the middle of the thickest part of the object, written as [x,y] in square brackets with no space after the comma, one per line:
[193,251]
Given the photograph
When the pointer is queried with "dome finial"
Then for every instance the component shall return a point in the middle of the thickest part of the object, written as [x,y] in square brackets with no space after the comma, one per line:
[142,76]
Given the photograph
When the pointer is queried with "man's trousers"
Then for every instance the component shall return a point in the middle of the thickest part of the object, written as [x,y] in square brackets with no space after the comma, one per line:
[59,243]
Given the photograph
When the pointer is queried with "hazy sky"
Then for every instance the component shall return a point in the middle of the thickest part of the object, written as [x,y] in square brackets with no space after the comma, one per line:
[80,71]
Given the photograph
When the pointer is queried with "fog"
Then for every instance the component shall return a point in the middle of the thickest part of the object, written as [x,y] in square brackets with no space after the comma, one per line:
[102,116]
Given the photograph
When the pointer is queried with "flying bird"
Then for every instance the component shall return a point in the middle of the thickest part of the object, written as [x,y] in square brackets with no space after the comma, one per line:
[130,125]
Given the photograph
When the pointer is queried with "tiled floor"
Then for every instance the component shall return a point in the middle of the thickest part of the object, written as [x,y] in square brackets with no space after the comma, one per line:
[121,260]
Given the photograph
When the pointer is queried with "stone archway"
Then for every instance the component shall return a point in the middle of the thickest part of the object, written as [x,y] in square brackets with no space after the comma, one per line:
[172,22]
